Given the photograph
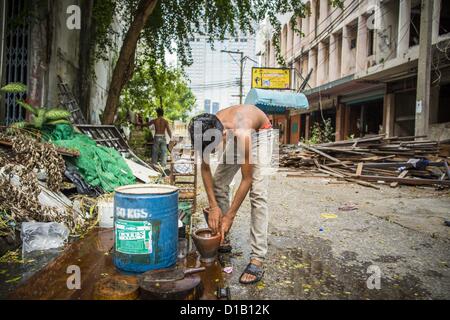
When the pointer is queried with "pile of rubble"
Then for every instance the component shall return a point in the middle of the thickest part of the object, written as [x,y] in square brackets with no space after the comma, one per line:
[33,186]
[57,172]
[395,160]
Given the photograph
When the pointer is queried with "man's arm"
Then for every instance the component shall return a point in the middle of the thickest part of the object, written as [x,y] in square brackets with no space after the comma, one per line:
[214,211]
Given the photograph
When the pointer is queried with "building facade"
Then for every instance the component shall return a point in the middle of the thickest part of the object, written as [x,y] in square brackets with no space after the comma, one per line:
[360,64]
[214,75]
[36,51]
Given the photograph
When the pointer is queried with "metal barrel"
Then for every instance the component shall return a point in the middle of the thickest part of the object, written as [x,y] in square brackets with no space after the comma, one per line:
[145,227]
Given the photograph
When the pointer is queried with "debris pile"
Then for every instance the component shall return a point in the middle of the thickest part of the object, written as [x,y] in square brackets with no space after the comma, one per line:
[395,160]
[31,180]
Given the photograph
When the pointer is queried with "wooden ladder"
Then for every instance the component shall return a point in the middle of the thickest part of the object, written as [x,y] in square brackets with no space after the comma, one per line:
[69,102]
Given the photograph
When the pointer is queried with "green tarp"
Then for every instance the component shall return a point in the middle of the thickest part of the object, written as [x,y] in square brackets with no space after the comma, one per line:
[99,165]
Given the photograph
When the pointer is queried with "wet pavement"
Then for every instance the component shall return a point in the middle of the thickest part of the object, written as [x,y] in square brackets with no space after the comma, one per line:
[326,241]
[46,276]
[317,251]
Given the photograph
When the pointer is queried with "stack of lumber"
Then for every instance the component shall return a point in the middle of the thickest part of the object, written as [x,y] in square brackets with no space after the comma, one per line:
[395,160]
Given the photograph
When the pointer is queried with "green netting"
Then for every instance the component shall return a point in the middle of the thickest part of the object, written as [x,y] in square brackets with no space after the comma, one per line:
[99,165]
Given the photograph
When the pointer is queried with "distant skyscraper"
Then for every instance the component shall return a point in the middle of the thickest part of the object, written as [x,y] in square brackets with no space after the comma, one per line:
[215,107]
[214,75]
[207,104]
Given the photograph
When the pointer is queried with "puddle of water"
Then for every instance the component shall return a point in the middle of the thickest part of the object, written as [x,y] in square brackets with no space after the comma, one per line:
[93,255]
[15,273]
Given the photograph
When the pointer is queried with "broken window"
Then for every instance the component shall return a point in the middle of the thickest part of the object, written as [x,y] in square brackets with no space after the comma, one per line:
[371,42]
[444,104]
[444,21]
[414,30]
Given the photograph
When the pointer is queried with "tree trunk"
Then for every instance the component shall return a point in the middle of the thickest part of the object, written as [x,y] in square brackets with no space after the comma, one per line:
[125,63]
[85,60]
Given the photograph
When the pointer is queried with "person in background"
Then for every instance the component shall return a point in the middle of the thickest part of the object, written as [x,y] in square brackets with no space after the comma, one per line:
[159,149]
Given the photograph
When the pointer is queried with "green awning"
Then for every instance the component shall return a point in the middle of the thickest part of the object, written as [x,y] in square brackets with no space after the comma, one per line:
[276,102]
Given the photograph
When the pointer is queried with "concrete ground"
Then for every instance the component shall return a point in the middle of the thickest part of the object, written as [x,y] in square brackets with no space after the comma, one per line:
[318,251]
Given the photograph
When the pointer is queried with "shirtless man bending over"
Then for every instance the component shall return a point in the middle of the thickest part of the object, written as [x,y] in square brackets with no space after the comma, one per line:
[242,123]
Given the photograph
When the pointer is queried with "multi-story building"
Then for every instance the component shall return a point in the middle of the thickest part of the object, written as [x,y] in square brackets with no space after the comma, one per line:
[214,74]
[207,104]
[215,107]
[361,66]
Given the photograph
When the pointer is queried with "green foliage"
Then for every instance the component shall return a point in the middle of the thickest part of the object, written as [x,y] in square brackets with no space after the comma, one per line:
[321,132]
[57,114]
[14,87]
[41,116]
[26,106]
[174,22]
[152,83]
[103,16]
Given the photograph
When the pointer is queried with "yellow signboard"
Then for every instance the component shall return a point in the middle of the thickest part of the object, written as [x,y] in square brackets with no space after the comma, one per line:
[271,78]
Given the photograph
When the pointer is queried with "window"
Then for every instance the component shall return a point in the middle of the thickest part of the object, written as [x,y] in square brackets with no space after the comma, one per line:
[444,21]
[371,42]
[243,40]
[316,18]
[353,43]
[414,33]
[444,104]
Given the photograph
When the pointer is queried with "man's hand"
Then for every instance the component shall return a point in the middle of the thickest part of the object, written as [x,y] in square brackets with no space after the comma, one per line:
[214,217]
[225,225]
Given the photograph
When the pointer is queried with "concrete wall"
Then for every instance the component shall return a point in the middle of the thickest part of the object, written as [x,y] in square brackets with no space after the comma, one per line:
[62,59]
[439,131]
[64,51]
[103,74]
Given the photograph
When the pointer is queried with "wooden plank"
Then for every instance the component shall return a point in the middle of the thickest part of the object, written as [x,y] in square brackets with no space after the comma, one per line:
[407,181]
[363,183]
[323,154]
[331,173]
[403,174]
[359,168]
[141,172]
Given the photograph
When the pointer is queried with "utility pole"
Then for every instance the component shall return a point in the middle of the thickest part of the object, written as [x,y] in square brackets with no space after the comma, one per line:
[241,77]
[424,69]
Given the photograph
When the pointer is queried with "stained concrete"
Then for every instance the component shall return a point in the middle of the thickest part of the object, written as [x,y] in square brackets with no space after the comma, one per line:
[400,231]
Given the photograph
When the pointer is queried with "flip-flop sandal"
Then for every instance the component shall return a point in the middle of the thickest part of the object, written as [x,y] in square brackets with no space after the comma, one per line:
[254,270]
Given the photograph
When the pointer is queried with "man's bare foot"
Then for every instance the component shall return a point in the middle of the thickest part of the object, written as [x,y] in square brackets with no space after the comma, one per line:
[250,278]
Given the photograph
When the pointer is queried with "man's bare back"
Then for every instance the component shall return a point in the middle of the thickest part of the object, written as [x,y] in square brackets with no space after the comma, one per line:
[243,117]
[161,125]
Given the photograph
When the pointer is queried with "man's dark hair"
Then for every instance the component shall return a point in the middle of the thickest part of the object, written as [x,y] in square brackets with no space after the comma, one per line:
[160,112]
[206,121]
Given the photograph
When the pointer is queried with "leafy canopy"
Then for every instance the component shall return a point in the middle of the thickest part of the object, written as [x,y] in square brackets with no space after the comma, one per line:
[152,84]
[174,22]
